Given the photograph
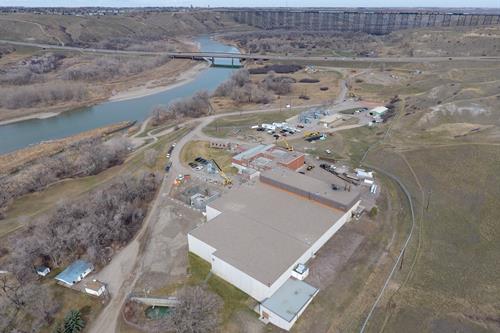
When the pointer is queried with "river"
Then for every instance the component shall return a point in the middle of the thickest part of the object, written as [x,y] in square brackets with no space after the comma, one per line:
[22,134]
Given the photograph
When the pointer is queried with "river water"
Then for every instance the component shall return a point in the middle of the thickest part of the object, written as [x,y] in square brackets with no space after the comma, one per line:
[21,134]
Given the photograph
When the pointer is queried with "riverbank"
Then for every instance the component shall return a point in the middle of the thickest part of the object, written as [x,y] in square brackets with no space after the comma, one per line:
[171,75]
[12,161]
[43,115]
[153,87]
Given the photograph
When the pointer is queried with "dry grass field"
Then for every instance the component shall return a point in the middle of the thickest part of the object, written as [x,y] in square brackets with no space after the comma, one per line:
[444,145]
[92,30]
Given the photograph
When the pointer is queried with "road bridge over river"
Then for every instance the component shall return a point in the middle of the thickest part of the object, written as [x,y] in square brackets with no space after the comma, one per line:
[203,56]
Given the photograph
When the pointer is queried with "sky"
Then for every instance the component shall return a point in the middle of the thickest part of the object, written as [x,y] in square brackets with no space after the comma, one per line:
[253,3]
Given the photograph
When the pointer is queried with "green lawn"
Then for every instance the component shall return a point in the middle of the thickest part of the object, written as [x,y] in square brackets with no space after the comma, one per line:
[194,149]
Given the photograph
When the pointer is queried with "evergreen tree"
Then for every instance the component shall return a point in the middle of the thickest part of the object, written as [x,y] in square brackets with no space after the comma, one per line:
[73,323]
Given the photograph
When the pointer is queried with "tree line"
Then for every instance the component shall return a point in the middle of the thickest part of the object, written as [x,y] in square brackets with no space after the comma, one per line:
[43,80]
[84,158]
[241,89]
[195,106]
[87,227]
[108,67]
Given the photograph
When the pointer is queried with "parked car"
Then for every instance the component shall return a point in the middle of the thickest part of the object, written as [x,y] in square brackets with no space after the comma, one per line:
[199,167]
[310,167]
[201,160]
[193,165]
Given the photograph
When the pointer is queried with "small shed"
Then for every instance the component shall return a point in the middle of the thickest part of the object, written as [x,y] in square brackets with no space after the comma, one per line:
[378,111]
[75,272]
[42,270]
[95,287]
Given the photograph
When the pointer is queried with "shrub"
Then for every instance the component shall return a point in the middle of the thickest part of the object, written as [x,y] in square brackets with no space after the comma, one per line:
[308,80]
[280,69]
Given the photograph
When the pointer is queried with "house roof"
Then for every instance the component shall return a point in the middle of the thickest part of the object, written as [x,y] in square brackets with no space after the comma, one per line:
[290,298]
[73,272]
[263,230]
[94,285]
[42,269]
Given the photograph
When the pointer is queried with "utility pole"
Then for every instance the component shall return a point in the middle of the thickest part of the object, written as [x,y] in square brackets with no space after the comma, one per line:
[402,259]
[428,200]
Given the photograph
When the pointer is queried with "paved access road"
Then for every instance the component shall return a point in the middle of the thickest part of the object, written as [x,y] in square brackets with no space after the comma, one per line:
[257,56]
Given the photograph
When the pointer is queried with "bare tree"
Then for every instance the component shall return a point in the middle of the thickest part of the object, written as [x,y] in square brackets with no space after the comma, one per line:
[195,106]
[40,304]
[12,291]
[197,312]
[91,224]
[84,158]
[150,157]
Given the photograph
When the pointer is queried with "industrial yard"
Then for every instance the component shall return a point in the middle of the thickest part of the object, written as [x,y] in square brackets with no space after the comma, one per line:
[339,173]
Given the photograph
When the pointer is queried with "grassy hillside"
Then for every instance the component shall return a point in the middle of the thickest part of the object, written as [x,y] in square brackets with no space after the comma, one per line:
[453,285]
[90,30]
[463,41]
[444,145]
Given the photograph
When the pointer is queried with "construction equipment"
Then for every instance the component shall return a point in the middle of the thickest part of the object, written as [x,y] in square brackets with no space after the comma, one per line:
[287,145]
[227,180]
[181,179]
[308,134]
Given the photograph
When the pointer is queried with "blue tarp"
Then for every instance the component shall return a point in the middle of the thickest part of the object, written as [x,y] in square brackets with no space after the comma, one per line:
[75,272]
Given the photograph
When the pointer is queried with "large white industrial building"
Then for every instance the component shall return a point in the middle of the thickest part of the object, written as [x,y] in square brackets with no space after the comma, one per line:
[256,236]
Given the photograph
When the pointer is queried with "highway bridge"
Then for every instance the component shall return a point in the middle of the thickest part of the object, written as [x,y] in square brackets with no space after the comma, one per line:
[204,56]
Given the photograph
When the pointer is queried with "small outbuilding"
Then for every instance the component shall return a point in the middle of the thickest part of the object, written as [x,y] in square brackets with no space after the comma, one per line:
[95,287]
[75,272]
[378,111]
[42,270]
[286,305]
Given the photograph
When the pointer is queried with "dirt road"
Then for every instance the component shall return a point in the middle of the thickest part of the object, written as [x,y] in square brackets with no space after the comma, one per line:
[124,270]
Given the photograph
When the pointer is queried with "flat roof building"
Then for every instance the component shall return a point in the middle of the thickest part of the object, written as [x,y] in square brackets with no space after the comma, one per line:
[378,111]
[265,157]
[258,234]
[310,188]
[285,306]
